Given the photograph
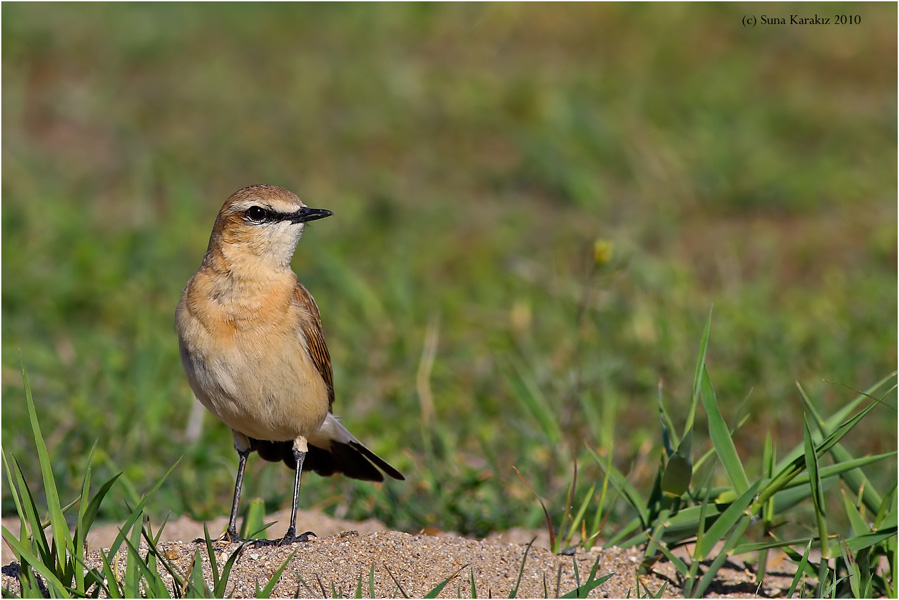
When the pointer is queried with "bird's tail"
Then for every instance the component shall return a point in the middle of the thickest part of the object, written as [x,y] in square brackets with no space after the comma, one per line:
[332,449]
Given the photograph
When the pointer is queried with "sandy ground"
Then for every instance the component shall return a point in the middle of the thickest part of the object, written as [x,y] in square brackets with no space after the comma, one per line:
[412,565]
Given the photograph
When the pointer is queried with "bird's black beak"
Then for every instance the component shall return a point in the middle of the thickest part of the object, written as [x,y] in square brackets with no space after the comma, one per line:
[306,214]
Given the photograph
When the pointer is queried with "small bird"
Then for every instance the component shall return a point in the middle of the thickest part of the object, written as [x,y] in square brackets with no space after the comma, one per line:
[252,347]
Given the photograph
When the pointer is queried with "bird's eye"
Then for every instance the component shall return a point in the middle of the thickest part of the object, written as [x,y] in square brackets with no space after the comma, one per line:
[256,213]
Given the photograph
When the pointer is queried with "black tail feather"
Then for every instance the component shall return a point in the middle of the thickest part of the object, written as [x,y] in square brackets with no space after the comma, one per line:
[353,459]
[377,460]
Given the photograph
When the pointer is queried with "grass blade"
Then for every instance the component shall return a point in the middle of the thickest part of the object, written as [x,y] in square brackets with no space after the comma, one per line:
[721,438]
[758,546]
[860,542]
[716,565]
[439,587]
[620,483]
[811,464]
[196,583]
[136,570]
[358,592]
[679,470]
[856,478]
[226,571]
[270,586]
[213,563]
[396,581]
[132,573]
[669,437]
[582,591]
[789,472]
[59,529]
[534,400]
[30,514]
[22,550]
[799,571]
[859,527]
[254,526]
[700,369]
[546,516]
[138,510]
[514,592]
[728,519]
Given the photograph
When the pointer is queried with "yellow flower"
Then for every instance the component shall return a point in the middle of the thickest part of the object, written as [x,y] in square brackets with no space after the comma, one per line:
[602,251]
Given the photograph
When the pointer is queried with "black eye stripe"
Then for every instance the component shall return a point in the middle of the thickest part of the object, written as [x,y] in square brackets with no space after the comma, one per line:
[257,214]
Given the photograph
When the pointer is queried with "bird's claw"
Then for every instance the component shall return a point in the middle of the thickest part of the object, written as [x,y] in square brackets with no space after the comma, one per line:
[292,538]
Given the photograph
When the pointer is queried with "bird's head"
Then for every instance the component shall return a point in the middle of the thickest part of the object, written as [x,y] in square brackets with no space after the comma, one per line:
[262,224]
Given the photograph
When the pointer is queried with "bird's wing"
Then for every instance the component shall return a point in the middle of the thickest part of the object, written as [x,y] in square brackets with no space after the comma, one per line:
[312,331]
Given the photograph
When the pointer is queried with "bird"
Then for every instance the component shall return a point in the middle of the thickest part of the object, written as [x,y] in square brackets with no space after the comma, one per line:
[251,344]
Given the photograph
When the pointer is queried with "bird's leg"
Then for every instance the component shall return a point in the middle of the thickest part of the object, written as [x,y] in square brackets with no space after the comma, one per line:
[231,533]
[299,455]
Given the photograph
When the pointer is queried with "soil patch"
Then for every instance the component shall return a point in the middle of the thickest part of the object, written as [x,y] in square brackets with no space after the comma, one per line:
[336,562]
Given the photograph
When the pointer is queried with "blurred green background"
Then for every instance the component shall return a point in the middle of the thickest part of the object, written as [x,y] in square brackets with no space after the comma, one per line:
[535,208]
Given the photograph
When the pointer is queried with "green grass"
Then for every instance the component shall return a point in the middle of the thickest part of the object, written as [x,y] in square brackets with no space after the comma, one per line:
[535,207]
[58,566]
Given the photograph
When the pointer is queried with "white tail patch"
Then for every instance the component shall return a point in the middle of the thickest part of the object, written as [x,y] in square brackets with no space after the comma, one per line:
[331,431]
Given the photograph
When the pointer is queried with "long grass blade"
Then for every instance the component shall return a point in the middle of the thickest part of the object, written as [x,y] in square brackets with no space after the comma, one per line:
[21,549]
[439,587]
[839,469]
[836,420]
[138,510]
[155,586]
[546,516]
[758,546]
[669,436]
[886,512]
[593,582]
[727,521]
[358,593]
[799,571]
[679,565]
[136,570]
[396,582]
[578,519]
[859,526]
[112,588]
[811,465]
[30,515]
[276,576]
[860,542]
[80,531]
[59,529]
[700,369]
[719,560]
[534,400]
[132,572]
[788,472]
[620,483]
[14,492]
[514,592]
[721,438]
[856,478]
[196,583]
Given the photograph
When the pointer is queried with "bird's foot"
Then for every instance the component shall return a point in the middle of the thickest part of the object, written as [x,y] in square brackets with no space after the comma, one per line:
[232,537]
[291,537]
